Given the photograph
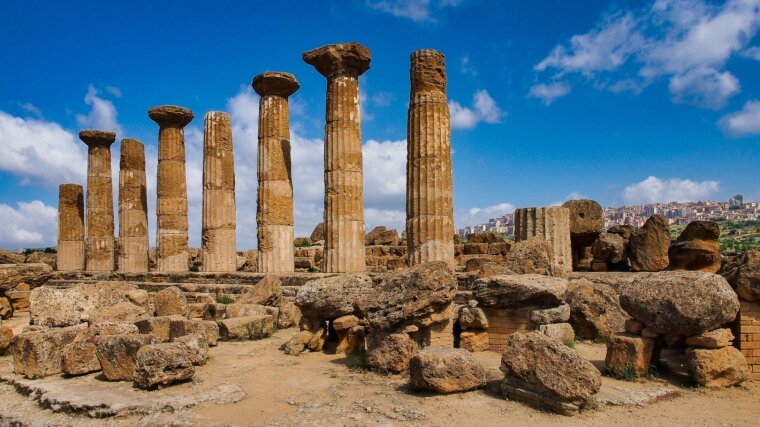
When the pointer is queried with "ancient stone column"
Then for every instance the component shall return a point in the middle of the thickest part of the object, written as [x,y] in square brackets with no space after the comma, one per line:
[342,64]
[70,250]
[100,241]
[429,182]
[171,207]
[218,250]
[553,225]
[274,207]
[133,208]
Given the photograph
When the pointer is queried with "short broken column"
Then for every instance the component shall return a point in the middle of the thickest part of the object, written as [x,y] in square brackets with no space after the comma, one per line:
[342,64]
[133,208]
[274,205]
[171,206]
[100,222]
[551,224]
[429,183]
[70,250]
[219,253]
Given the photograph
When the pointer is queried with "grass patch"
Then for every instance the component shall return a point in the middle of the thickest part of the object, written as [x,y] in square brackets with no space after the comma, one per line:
[313,270]
[223,298]
[625,373]
[152,288]
[570,342]
[195,268]
[652,373]
[592,404]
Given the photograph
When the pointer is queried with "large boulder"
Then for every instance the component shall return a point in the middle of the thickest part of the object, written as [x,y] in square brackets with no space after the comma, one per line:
[446,369]
[390,353]
[683,303]
[529,257]
[628,355]
[609,248]
[42,257]
[409,297]
[170,301]
[122,312]
[697,248]
[253,327]
[540,370]
[648,247]
[520,290]
[53,307]
[11,275]
[116,354]
[162,365]
[267,291]
[595,311]
[39,354]
[723,367]
[10,257]
[332,297]
[743,274]
[381,236]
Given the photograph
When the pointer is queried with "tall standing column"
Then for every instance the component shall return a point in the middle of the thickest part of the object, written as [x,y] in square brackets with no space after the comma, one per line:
[553,225]
[100,227]
[70,250]
[133,208]
[429,182]
[274,205]
[171,206]
[219,253]
[342,64]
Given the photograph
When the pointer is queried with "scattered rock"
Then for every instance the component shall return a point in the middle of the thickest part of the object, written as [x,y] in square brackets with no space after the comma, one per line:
[697,248]
[6,335]
[116,354]
[609,248]
[390,353]
[561,332]
[289,314]
[474,340]
[40,354]
[484,237]
[254,327]
[743,273]
[545,316]
[680,302]
[520,290]
[158,327]
[628,355]
[445,369]
[648,247]
[717,338]
[10,257]
[79,358]
[267,291]
[633,326]
[11,275]
[586,221]
[595,311]
[529,257]
[332,297]
[162,364]
[472,318]
[170,301]
[197,347]
[723,367]
[54,307]
[297,343]
[381,236]
[318,233]
[121,312]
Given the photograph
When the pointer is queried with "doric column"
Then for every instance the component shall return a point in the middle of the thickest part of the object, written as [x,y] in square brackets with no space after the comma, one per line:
[342,64]
[551,224]
[429,182]
[133,208]
[70,250]
[100,239]
[218,248]
[171,206]
[274,205]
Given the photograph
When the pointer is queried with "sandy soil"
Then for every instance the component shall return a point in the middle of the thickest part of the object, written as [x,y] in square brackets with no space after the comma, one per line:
[326,390]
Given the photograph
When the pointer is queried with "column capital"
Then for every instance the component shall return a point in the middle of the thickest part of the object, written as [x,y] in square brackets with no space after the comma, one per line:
[275,84]
[171,115]
[339,59]
[97,138]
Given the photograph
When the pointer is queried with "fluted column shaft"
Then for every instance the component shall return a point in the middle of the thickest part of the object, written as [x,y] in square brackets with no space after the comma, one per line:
[100,221]
[133,208]
[429,185]
[71,249]
[218,239]
[551,224]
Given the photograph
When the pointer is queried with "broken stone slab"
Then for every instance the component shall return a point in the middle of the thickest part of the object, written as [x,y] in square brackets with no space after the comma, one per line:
[116,354]
[6,335]
[245,309]
[444,369]
[561,332]
[474,340]
[254,327]
[629,356]
[472,318]
[649,245]
[722,367]
[197,346]
[267,291]
[159,327]
[54,307]
[289,314]
[595,310]
[35,274]
[297,343]
[717,338]
[345,322]
[180,327]
[520,290]
[162,365]
[122,312]
[40,354]
[390,353]
[332,297]
[545,316]
[79,358]
[170,301]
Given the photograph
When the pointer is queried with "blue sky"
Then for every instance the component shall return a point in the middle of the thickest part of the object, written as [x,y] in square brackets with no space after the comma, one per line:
[623,102]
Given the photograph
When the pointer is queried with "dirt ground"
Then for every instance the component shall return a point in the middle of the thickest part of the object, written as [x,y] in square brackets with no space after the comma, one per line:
[255,384]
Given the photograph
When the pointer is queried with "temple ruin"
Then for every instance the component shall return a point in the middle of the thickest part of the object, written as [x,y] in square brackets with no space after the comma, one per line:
[133,208]
[100,221]
[71,243]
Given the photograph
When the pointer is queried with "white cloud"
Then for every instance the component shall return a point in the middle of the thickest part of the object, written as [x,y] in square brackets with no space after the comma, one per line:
[28,224]
[752,53]
[466,68]
[416,10]
[113,90]
[745,122]
[654,189]
[103,114]
[478,215]
[40,151]
[548,93]
[687,41]
[484,109]
[32,109]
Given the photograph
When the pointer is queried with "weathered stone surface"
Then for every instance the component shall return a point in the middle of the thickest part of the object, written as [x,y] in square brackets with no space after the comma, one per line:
[121,312]
[717,338]
[6,308]
[609,248]
[133,242]
[99,206]
[551,224]
[332,297]
[472,318]
[170,301]
[548,368]
[723,367]
[253,327]
[267,291]
[648,246]
[595,311]
[11,257]
[6,335]
[162,364]
[545,316]
[586,221]
[181,327]
[697,248]
[318,234]
[240,310]
[11,275]
[743,273]
[529,257]
[561,332]
[409,297]
[79,358]
[474,340]
[54,307]
[345,322]
[197,346]
[520,290]
[446,370]
[297,343]
[116,354]
[289,314]
[681,302]
[381,236]
[633,326]
[484,237]
[39,354]
[628,355]
[159,327]
[390,353]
